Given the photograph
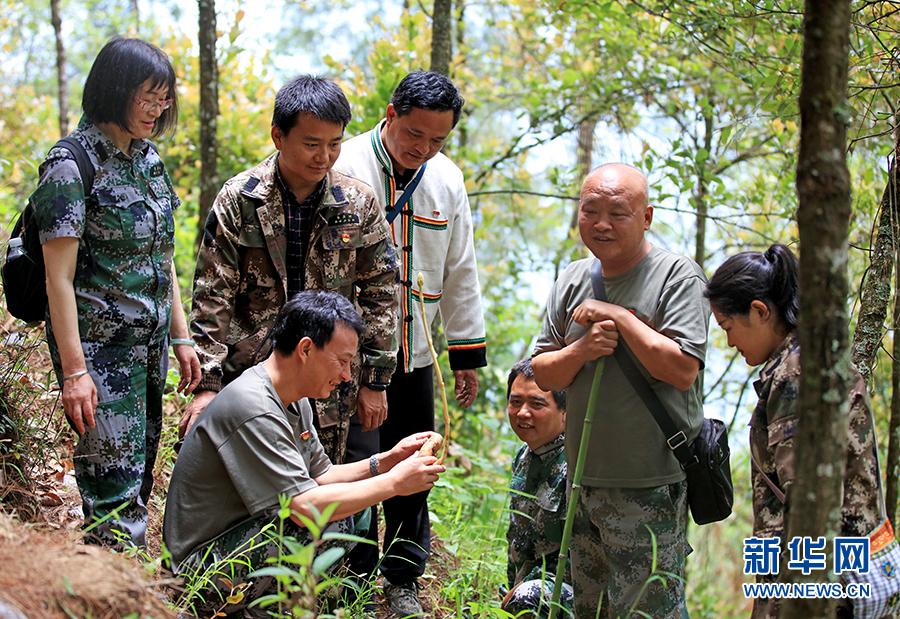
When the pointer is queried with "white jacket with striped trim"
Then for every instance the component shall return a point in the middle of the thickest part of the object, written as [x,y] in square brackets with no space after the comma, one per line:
[433,235]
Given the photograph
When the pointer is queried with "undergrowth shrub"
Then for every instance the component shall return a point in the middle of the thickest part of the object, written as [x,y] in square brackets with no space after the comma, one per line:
[30,430]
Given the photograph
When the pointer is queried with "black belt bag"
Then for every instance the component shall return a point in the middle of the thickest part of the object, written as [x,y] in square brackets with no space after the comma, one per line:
[705,460]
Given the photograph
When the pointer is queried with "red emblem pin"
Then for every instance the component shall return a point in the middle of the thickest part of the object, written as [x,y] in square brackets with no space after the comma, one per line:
[304,436]
[435,213]
[345,238]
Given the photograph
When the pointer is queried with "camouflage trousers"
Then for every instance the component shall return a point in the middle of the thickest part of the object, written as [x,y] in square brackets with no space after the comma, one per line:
[114,459]
[612,552]
[223,567]
[532,598]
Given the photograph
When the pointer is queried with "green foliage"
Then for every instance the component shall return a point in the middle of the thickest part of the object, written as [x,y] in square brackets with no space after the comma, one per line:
[246,91]
[306,575]
[394,53]
[469,512]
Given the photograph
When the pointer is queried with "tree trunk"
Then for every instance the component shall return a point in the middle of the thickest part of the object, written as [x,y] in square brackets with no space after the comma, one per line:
[823,190]
[584,160]
[892,466]
[462,128]
[209,109]
[441,31]
[61,81]
[702,188]
[136,14]
[876,291]
[586,147]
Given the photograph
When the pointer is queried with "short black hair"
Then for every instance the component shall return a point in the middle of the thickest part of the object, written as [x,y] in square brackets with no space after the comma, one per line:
[772,277]
[310,94]
[313,314]
[119,70]
[524,368]
[427,90]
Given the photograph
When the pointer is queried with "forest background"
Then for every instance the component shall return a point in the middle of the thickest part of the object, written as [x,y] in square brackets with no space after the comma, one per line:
[702,96]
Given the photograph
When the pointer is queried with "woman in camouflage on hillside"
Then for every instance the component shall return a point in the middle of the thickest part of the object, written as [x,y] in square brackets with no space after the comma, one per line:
[111,284]
[755,298]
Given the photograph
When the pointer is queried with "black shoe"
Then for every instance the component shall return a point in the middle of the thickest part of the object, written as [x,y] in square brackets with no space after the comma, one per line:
[404,599]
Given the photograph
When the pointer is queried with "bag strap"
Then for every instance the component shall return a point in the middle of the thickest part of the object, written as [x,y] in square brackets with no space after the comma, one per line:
[675,438]
[778,492]
[392,212]
[82,160]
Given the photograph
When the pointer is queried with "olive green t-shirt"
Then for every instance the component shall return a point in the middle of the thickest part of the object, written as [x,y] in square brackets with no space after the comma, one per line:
[245,451]
[627,449]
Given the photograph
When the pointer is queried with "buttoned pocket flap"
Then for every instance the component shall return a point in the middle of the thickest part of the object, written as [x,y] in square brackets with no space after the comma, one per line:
[782,429]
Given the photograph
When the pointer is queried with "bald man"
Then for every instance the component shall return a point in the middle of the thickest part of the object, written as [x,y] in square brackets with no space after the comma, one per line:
[632,481]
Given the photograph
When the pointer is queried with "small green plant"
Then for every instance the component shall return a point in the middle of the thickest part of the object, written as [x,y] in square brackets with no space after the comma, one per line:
[305,572]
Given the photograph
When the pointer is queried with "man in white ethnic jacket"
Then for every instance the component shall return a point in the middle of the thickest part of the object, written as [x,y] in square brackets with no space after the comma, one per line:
[425,201]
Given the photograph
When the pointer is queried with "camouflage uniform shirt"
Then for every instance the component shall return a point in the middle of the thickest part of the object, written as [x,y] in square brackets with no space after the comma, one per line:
[241,278]
[772,429]
[126,232]
[537,511]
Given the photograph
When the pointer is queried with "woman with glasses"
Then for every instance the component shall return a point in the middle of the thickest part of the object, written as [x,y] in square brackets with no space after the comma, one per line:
[114,303]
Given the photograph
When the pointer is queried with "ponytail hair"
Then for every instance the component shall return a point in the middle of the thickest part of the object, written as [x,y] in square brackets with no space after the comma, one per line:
[772,277]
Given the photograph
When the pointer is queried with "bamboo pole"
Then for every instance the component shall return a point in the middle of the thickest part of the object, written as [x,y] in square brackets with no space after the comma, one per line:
[576,488]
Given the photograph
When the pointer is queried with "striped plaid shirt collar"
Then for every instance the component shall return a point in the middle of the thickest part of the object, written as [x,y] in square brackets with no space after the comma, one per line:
[298,223]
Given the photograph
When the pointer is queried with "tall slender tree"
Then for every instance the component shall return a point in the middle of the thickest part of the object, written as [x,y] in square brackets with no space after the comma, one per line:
[441,41]
[136,15]
[876,289]
[892,466]
[823,191]
[62,83]
[209,108]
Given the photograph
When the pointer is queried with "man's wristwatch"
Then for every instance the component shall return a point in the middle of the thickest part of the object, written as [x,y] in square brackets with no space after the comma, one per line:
[377,386]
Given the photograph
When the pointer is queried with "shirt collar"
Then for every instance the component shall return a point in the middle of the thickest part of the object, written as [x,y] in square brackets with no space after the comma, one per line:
[543,451]
[311,200]
[105,147]
[775,359]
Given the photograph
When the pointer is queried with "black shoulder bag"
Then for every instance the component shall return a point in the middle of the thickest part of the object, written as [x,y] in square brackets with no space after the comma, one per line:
[23,273]
[705,461]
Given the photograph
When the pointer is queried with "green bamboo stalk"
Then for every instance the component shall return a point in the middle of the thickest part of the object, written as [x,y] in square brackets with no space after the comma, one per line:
[576,488]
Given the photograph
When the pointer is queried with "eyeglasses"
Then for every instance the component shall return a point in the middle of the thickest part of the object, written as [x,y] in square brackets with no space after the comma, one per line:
[151,106]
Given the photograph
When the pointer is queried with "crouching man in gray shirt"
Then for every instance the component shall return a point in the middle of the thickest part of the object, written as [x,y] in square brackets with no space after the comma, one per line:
[256,443]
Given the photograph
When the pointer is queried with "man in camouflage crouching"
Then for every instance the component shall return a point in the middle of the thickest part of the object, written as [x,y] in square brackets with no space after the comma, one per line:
[291,223]
[537,497]
[255,447]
